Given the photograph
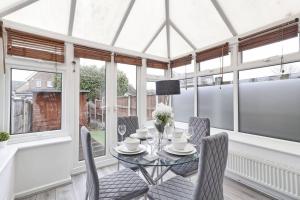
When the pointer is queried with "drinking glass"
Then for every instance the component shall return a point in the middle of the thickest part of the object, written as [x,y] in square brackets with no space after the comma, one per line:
[189,132]
[122,130]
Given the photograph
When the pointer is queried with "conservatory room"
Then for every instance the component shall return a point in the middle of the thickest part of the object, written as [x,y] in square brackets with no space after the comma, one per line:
[149,99]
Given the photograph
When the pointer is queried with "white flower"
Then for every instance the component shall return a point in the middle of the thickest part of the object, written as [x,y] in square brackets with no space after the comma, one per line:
[163,114]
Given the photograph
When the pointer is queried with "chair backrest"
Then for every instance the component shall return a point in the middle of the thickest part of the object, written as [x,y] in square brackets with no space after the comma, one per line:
[201,127]
[92,182]
[212,164]
[131,123]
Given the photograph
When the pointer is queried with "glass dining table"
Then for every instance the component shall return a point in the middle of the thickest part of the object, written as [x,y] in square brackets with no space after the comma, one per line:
[160,162]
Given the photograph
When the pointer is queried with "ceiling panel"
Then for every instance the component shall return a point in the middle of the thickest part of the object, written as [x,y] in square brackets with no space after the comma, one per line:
[178,45]
[159,45]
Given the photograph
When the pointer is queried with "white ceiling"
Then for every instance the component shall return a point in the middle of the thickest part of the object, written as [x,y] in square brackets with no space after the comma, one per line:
[166,28]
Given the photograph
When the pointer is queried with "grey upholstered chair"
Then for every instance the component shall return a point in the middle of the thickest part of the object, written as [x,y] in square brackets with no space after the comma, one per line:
[131,123]
[124,184]
[209,186]
[201,127]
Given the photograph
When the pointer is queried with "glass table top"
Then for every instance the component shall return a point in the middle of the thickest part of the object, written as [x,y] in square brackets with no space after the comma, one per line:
[158,158]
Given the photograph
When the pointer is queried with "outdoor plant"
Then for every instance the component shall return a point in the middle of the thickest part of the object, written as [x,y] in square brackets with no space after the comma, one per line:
[4,136]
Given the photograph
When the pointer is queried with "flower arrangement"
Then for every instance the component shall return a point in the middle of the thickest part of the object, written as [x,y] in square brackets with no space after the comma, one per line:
[162,116]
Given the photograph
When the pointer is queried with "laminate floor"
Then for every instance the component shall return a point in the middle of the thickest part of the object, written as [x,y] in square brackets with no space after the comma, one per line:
[76,190]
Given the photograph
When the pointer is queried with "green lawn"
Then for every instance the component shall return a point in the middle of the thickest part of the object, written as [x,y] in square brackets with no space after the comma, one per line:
[99,136]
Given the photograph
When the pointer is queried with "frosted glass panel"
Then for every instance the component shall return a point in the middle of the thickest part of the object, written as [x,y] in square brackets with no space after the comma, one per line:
[183,103]
[275,49]
[269,103]
[249,15]
[216,101]
[142,23]
[178,45]
[159,45]
[199,21]
[51,15]
[98,20]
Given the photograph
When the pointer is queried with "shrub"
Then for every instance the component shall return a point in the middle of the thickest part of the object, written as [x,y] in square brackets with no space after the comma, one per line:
[4,136]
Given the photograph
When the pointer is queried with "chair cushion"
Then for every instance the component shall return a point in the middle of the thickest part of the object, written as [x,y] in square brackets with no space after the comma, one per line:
[176,188]
[186,169]
[122,185]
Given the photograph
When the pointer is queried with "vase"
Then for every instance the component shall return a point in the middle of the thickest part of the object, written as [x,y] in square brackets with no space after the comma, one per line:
[160,128]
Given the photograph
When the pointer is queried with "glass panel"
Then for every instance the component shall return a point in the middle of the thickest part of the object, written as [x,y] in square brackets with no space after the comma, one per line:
[92,108]
[199,21]
[142,23]
[249,15]
[155,72]
[51,15]
[152,99]
[275,49]
[178,45]
[269,101]
[34,106]
[98,20]
[159,45]
[215,101]
[215,63]
[127,101]
[183,104]
[183,71]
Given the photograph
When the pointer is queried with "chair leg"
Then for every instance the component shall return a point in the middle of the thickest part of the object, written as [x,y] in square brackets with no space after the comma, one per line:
[145,196]
[86,196]
[118,166]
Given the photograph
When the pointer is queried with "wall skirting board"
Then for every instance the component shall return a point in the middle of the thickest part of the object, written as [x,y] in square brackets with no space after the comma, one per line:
[274,179]
[43,188]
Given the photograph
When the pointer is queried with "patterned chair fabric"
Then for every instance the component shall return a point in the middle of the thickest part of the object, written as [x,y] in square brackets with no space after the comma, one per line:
[201,127]
[124,184]
[131,123]
[209,186]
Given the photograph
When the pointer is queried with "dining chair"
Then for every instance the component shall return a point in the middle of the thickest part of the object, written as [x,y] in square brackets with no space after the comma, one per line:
[209,184]
[131,123]
[201,128]
[124,184]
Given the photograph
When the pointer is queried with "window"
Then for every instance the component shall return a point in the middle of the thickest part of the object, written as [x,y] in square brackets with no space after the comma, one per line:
[126,90]
[215,100]
[34,107]
[215,63]
[270,50]
[50,84]
[158,73]
[183,71]
[269,101]
[183,103]
[92,106]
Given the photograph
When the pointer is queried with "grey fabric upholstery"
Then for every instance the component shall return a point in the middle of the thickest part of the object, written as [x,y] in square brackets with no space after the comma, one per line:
[131,123]
[209,186]
[124,184]
[201,127]
[212,164]
[177,188]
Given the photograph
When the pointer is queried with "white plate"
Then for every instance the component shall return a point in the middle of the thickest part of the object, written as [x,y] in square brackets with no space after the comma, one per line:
[123,150]
[169,149]
[188,148]
[135,135]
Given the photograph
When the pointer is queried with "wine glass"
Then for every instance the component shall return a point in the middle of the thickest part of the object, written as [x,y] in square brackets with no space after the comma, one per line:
[122,130]
[189,132]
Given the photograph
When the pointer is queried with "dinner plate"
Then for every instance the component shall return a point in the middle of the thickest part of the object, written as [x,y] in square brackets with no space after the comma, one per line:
[123,150]
[188,148]
[135,135]
[170,150]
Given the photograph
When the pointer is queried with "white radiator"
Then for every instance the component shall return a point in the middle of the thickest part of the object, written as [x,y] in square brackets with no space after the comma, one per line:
[272,175]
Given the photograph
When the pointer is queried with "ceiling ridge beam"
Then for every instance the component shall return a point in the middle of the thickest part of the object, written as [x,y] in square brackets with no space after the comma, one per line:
[123,21]
[72,16]
[167,7]
[183,35]
[154,36]
[15,7]
[224,17]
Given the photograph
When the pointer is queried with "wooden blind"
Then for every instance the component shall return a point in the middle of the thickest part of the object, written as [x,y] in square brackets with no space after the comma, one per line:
[275,34]
[186,60]
[212,53]
[91,53]
[125,59]
[1,29]
[34,46]
[157,64]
